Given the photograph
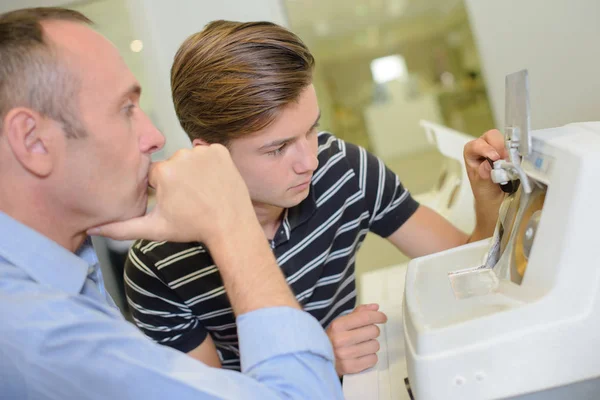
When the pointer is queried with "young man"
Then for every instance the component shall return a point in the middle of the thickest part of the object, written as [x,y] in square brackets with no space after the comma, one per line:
[75,159]
[249,86]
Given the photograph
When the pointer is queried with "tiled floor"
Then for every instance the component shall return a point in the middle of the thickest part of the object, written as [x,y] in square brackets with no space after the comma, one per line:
[419,173]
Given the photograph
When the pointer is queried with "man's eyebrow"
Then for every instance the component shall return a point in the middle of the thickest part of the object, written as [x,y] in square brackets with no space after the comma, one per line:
[316,121]
[134,89]
[277,143]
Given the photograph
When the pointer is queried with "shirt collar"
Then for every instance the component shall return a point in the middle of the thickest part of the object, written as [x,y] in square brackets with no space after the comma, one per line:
[43,259]
[301,213]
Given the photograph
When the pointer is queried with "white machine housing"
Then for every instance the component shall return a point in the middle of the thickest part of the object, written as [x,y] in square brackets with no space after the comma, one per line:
[453,197]
[512,339]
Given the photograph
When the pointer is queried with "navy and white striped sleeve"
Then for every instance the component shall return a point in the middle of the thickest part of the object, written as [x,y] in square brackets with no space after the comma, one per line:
[156,308]
[388,202]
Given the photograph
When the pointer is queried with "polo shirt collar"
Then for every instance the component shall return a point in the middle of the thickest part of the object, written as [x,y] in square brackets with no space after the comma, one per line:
[301,213]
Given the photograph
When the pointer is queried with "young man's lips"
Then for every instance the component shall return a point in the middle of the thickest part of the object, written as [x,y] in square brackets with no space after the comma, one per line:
[301,185]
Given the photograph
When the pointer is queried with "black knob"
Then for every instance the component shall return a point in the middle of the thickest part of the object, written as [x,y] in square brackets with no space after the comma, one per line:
[511,186]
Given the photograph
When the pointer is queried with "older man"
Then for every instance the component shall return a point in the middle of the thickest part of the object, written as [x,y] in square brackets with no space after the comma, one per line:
[75,159]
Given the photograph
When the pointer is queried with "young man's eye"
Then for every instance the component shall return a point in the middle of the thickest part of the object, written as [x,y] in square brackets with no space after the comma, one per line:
[277,151]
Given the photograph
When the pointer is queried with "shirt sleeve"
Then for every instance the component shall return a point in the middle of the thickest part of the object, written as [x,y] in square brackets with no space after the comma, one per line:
[388,202]
[60,347]
[156,308]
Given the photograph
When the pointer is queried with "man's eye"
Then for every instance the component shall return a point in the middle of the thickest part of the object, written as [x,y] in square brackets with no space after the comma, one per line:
[129,109]
[277,151]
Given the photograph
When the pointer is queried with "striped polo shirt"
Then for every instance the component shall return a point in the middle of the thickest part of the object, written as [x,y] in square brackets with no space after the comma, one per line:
[176,293]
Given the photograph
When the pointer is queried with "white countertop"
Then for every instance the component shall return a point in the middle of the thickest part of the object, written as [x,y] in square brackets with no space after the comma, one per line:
[385,381]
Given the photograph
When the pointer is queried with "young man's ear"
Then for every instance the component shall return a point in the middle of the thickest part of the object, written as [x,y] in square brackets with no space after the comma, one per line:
[29,142]
[199,142]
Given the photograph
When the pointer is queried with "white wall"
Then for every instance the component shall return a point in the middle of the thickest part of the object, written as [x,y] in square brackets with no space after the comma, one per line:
[556,40]
[393,126]
[164,25]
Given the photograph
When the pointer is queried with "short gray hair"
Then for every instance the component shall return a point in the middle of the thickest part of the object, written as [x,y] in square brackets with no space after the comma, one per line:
[31,72]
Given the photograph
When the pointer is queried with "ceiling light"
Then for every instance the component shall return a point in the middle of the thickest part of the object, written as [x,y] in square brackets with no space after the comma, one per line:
[389,68]
[136,46]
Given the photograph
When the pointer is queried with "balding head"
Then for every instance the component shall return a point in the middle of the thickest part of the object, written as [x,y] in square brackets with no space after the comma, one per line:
[32,72]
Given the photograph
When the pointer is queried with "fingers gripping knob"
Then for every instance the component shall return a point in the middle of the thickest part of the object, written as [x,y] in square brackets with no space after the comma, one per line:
[502,177]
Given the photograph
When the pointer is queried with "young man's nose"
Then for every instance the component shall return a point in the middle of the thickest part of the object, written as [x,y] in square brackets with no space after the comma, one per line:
[307,159]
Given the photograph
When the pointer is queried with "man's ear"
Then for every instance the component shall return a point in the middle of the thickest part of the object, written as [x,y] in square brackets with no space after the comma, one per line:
[199,142]
[29,141]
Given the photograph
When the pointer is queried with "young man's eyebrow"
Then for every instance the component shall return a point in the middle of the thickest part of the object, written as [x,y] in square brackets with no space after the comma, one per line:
[277,143]
[290,139]
[316,121]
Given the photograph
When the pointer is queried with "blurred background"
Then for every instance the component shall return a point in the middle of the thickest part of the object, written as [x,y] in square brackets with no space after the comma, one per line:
[384,65]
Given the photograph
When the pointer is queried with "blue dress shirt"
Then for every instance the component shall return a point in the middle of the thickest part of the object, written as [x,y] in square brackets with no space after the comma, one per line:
[61,337]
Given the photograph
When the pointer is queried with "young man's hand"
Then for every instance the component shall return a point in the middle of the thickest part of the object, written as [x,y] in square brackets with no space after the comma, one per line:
[489,145]
[354,339]
[488,195]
